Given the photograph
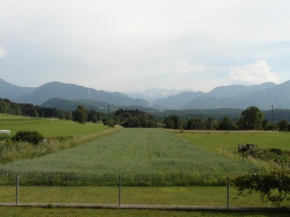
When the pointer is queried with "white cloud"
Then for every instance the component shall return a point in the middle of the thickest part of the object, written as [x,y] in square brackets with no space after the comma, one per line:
[2,52]
[256,73]
[129,44]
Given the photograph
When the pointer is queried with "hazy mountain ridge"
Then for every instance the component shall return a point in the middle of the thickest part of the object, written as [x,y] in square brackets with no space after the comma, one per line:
[51,90]
[233,96]
[234,91]
[154,94]
[176,101]
[70,105]
[11,91]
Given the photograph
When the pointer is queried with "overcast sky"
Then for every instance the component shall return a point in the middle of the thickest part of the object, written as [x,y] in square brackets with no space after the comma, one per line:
[138,44]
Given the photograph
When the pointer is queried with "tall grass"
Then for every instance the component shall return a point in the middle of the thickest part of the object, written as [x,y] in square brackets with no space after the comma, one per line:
[141,156]
[14,152]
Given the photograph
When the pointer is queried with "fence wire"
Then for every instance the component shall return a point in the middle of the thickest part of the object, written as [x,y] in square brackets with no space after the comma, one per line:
[117,189]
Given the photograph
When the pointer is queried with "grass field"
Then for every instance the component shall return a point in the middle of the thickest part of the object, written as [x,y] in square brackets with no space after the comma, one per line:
[61,134]
[49,127]
[141,153]
[216,140]
[178,167]
[191,196]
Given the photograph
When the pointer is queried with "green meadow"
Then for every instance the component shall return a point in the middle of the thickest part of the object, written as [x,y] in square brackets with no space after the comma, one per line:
[138,154]
[49,127]
[215,141]
[157,166]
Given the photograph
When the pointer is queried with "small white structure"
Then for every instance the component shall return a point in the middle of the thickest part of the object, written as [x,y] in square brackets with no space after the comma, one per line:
[7,132]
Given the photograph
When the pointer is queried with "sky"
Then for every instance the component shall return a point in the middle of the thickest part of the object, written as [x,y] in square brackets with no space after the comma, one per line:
[134,45]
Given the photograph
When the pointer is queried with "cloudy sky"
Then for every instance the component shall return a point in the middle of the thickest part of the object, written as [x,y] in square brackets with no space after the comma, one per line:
[138,44]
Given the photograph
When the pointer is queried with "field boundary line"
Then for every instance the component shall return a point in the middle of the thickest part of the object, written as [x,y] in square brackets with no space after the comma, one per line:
[141,206]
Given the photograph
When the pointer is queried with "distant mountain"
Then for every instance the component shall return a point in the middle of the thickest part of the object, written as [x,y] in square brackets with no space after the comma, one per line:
[176,101]
[262,96]
[70,105]
[233,96]
[11,91]
[234,91]
[207,102]
[279,96]
[154,94]
[76,92]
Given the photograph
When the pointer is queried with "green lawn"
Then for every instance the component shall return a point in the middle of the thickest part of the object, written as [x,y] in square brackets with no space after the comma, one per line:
[191,196]
[40,212]
[49,127]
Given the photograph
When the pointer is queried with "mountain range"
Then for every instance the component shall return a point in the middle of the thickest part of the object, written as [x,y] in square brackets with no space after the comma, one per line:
[51,90]
[54,94]
[233,96]
[154,94]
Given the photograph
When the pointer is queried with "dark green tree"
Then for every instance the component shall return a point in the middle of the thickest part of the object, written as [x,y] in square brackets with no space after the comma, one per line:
[68,116]
[3,107]
[251,119]
[209,123]
[226,123]
[172,122]
[195,124]
[80,114]
[283,125]
[92,116]
[60,114]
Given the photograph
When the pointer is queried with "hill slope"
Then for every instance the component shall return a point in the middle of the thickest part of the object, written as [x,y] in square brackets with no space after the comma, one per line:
[234,96]
[11,91]
[76,92]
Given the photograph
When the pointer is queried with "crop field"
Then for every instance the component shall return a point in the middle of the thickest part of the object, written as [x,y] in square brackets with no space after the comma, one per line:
[138,153]
[48,127]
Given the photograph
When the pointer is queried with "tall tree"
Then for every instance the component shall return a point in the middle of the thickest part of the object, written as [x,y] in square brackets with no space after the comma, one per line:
[226,123]
[251,119]
[80,114]
[172,121]
[283,125]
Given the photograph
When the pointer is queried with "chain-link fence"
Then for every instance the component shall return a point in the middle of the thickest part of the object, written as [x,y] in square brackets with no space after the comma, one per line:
[120,190]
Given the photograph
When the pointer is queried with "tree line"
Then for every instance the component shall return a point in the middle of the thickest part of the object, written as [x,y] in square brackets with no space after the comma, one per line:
[26,109]
[250,119]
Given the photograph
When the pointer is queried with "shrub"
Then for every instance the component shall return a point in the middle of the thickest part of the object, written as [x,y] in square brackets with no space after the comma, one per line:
[273,187]
[32,137]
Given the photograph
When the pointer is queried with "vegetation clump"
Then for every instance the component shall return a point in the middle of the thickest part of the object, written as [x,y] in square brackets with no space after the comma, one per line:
[273,187]
[32,137]
[134,118]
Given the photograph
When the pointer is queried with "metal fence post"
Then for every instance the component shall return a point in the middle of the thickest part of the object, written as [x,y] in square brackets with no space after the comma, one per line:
[228,192]
[17,188]
[120,185]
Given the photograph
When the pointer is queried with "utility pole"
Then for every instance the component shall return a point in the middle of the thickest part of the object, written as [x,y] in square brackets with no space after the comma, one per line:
[108,116]
[272,117]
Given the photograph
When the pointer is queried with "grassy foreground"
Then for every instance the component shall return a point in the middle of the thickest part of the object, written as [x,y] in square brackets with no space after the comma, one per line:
[141,153]
[39,212]
[191,196]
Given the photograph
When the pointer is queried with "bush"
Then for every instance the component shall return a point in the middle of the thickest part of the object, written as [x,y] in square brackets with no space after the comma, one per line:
[273,187]
[32,137]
